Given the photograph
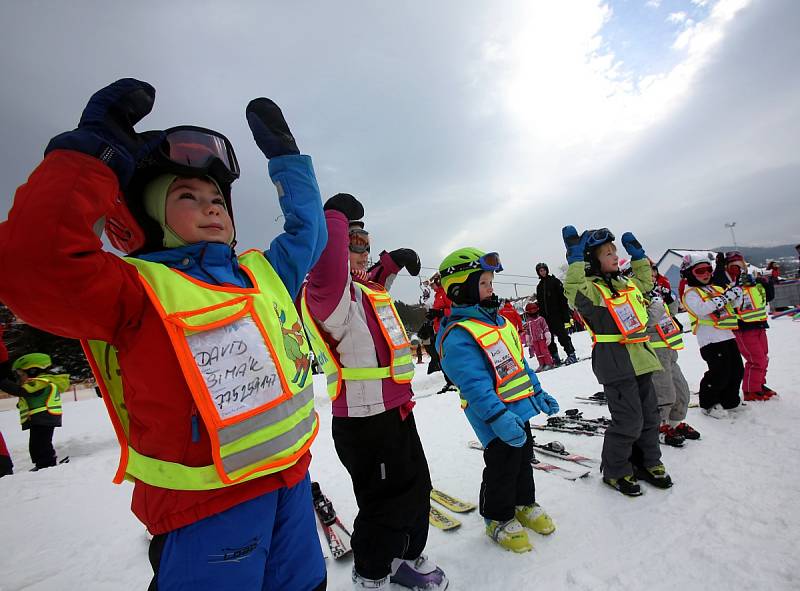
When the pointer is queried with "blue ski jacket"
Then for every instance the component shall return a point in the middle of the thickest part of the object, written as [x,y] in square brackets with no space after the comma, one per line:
[466,365]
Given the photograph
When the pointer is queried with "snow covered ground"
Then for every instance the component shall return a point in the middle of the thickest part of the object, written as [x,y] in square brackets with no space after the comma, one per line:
[731,521]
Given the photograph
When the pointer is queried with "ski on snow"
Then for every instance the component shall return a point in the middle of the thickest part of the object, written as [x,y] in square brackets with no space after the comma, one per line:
[556,449]
[537,464]
[567,428]
[337,534]
[450,502]
[440,519]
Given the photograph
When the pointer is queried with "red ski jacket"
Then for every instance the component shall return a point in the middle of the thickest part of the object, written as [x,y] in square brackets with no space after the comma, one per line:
[84,292]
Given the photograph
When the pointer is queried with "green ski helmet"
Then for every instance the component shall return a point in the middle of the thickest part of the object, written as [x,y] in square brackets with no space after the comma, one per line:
[456,268]
[32,361]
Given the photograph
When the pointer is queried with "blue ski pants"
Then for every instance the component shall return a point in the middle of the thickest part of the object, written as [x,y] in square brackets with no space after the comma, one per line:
[269,543]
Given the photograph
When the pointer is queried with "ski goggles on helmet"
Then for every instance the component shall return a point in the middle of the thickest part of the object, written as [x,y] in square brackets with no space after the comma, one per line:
[195,151]
[488,262]
[598,237]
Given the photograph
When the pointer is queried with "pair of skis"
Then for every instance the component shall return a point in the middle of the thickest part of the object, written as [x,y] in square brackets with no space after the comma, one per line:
[338,536]
[441,519]
[564,473]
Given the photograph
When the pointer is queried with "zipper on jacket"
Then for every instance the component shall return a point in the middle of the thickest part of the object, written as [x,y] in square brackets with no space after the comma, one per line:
[195,426]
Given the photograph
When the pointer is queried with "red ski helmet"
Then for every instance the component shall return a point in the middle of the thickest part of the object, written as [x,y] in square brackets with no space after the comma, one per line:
[531,308]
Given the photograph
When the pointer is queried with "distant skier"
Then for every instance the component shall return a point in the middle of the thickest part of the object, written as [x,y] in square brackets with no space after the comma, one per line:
[536,334]
[554,308]
[39,393]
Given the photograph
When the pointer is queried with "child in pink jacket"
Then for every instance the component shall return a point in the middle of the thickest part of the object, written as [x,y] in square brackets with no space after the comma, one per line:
[536,335]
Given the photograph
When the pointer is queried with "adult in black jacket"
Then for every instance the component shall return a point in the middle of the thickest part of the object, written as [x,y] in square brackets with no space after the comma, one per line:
[554,308]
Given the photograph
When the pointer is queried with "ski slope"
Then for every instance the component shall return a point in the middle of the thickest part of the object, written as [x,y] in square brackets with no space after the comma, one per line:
[731,521]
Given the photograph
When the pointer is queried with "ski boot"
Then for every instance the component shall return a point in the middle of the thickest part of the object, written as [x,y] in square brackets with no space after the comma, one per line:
[767,391]
[571,358]
[420,574]
[448,388]
[360,582]
[655,475]
[509,535]
[627,485]
[755,396]
[687,431]
[534,517]
[668,436]
[716,412]
[556,360]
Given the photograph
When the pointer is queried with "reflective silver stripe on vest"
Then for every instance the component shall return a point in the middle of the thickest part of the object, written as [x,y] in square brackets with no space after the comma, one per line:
[274,446]
[402,352]
[526,385]
[332,378]
[404,368]
[265,419]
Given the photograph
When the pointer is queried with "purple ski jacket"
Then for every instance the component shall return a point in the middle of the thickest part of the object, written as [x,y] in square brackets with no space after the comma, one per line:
[349,325]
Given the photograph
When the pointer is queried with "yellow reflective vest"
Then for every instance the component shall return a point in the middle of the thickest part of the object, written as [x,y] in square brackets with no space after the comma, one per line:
[724,319]
[401,367]
[628,311]
[754,304]
[246,362]
[503,349]
[669,333]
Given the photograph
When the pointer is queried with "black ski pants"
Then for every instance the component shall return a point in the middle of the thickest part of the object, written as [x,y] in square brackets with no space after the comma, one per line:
[720,384]
[507,478]
[558,331]
[633,434]
[392,485]
[40,446]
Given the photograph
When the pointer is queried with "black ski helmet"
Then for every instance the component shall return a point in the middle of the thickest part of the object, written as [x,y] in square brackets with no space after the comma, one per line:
[542,266]
[186,151]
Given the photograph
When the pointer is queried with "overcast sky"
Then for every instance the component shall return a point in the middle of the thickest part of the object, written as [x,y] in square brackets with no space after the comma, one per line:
[458,122]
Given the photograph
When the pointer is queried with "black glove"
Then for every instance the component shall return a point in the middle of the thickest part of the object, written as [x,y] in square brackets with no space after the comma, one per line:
[434,313]
[347,204]
[405,257]
[105,130]
[270,129]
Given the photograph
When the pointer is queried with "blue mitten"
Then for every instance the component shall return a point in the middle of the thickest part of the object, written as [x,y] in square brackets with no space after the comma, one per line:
[510,428]
[105,130]
[576,245]
[632,246]
[270,129]
[545,403]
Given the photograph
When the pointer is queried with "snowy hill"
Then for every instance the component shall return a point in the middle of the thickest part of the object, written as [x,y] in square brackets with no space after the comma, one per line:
[730,522]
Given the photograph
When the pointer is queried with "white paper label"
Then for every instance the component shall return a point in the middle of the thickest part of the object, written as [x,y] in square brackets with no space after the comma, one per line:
[237,367]
[502,359]
[627,317]
[396,332]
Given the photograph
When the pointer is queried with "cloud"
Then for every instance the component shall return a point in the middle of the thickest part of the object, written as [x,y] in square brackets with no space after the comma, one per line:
[676,17]
[454,122]
[653,3]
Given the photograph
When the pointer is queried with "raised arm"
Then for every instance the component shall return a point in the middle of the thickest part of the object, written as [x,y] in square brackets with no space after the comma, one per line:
[294,252]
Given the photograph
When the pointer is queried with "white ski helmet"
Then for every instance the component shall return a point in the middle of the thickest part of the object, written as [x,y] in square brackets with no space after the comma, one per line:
[692,259]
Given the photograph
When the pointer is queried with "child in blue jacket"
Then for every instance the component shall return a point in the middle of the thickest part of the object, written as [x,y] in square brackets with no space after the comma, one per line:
[481,352]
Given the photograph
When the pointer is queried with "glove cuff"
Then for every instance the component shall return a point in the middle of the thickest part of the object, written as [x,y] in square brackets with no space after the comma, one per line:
[86,142]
